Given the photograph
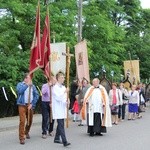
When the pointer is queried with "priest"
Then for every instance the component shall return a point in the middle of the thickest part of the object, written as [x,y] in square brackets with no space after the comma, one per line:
[96,109]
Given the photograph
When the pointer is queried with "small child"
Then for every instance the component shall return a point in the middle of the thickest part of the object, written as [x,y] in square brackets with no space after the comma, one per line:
[75,109]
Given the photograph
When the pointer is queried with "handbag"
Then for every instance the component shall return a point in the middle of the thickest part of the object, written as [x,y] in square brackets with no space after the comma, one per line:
[114,108]
[103,129]
[142,99]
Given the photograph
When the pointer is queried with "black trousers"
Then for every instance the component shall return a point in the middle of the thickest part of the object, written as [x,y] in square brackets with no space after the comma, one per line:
[72,100]
[96,128]
[60,131]
[122,111]
[46,124]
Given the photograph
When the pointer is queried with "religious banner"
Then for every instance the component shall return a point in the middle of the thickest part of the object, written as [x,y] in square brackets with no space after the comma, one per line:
[82,64]
[131,69]
[35,53]
[58,61]
[45,47]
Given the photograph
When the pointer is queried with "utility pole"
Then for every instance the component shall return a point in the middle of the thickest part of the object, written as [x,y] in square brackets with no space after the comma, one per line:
[45,2]
[80,20]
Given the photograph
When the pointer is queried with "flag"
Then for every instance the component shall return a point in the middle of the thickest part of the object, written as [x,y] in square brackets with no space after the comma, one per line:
[35,54]
[45,47]
[82,64]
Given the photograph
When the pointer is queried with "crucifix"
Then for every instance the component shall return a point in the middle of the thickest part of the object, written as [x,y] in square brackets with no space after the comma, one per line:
[68,58]
[54,36]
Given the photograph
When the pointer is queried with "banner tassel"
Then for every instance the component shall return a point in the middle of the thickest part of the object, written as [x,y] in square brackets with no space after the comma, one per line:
[39,90]
[5,93]
[12,90]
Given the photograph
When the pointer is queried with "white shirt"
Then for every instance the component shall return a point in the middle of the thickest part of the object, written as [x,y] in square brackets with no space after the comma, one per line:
[118,97]
[26,95]
[134,97]
[96,101]
[59,99]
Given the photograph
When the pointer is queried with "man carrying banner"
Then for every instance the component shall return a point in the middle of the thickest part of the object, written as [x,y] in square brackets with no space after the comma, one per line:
[59,108]
[97,103]
[47,121]
[26,92]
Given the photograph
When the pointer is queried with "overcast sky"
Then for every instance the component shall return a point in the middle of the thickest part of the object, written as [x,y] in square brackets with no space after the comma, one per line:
[145,3]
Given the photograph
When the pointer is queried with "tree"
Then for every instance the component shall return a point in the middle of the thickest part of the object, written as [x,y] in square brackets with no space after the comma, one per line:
[106,38]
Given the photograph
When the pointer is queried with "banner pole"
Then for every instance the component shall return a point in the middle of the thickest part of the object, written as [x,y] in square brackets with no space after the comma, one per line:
[68,79]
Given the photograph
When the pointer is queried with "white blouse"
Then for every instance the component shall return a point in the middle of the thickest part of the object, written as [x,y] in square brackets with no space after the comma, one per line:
[134,97]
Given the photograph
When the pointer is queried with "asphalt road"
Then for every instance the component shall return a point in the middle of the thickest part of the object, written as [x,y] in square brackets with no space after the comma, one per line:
[128,135]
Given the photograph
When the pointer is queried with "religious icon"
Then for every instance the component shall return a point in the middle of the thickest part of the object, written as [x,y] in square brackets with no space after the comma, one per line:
[80,58]
[55,56]
[128,73]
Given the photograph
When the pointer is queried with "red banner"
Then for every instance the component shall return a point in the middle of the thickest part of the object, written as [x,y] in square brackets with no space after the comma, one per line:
[35,55]
[45,48]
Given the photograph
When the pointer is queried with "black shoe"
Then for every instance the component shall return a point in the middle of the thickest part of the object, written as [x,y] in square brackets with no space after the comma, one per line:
[80,124]
[27,136]
[57,141]
[22,142]
[67,144]
[91,134]
[99,134]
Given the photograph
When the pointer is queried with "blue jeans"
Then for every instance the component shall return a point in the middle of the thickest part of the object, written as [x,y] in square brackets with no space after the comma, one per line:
[46,117]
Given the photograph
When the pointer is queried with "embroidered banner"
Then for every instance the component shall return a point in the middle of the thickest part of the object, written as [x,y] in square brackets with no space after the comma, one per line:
[82,64]
[58,61]
[132,69]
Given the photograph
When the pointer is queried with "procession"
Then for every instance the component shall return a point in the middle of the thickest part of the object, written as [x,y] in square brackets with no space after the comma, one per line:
[75,88]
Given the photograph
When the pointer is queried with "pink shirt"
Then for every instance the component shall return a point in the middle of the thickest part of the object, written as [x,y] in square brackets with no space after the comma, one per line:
[114,97]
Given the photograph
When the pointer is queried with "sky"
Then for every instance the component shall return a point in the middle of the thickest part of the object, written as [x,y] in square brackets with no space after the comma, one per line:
[145,3]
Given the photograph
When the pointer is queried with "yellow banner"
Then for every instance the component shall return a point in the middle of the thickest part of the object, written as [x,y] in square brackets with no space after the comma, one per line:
[131,68]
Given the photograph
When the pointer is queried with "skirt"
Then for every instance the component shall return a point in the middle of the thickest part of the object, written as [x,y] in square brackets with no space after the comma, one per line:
[114,109]
[133,108]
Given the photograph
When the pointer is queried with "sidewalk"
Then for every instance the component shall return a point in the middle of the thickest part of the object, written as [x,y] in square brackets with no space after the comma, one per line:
[9,123]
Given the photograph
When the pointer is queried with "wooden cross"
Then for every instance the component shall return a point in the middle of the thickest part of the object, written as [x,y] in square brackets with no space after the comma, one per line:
[68,58]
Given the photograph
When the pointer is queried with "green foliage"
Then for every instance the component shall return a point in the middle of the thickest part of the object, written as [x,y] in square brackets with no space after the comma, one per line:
[106,38]
[112,29]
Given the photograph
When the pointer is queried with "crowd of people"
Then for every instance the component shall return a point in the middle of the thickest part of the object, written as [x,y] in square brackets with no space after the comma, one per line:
[89,105]
[123,102]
